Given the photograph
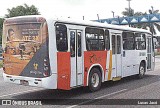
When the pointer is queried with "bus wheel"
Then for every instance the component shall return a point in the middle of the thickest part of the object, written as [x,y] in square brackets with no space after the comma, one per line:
[141,71]
[95,80]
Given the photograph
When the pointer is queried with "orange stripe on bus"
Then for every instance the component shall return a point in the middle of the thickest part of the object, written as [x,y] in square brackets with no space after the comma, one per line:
[91,58]
[110,66]
[64,70]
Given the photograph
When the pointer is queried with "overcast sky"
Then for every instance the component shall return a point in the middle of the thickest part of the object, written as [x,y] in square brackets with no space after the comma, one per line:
[78,8]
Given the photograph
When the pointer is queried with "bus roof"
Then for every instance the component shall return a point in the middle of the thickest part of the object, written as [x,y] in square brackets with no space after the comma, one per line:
[103,25]
[83,23]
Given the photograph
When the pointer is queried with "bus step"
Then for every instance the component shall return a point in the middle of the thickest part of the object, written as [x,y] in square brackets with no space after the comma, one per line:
[116,78]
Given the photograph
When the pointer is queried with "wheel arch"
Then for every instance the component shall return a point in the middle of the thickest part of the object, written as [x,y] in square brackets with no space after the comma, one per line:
[144,63]
[95,66]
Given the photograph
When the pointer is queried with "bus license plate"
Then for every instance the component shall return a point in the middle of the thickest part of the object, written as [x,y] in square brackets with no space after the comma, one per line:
[24,82]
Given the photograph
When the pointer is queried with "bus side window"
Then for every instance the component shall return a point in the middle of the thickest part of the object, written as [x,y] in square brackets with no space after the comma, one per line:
[61,37]
[113,44]
[128,41]
[107,40]
[72,43]
[79,44]
[140,40]
[95,39]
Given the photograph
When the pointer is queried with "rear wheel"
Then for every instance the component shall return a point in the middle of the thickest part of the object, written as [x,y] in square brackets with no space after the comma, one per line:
[141,71]
[95,80]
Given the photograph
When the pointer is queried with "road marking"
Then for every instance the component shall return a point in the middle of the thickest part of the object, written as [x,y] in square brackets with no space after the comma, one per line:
[20,92]
[97,98]
[111,94]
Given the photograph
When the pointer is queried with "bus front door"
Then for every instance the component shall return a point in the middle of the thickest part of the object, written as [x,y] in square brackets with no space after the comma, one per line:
[116,57]
[76,57]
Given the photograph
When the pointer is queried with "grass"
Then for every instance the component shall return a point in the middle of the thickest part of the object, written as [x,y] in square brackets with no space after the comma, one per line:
[1,64]
[157,53]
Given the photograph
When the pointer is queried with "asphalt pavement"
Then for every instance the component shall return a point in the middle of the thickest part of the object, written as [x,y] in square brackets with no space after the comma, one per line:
[128,88]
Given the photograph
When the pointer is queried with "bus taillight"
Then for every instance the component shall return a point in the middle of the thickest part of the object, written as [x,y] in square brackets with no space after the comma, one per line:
[46,74]
[45,63]
[46,68]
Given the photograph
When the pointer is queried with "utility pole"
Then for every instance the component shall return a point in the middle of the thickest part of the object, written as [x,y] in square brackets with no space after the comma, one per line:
[152,9]
[113,13]
[98,16]
[129,9]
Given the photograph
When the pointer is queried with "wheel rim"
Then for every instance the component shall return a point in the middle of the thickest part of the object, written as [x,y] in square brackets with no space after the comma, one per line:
[95,80]
[142,70]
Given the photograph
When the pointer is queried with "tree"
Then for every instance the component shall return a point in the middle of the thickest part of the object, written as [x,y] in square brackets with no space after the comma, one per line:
[1,27]
[22,10]
[132,13]
[127,12]
[150,26]
[18,11]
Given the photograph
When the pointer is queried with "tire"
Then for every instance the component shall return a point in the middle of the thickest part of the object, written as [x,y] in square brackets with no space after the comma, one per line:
[95,80]
[141,71]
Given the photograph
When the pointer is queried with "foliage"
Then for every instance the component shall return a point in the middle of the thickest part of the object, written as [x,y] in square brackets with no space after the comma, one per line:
[1,27]
[127,12]
[1,63]
[22,10]
[150,26]
[157,53]
[18,11]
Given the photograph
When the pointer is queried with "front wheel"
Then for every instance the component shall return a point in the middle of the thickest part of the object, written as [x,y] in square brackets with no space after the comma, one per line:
[141,71]
[95,80]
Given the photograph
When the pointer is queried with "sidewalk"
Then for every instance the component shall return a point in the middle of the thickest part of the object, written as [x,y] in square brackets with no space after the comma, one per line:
[157,56]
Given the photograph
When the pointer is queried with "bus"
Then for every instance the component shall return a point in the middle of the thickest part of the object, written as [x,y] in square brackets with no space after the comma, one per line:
[56,53]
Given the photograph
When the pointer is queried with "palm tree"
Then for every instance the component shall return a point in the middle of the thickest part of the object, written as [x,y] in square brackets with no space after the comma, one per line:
[151,26]
[127,12]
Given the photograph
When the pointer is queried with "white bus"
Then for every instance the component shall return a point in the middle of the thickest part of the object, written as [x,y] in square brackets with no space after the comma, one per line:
[63,54]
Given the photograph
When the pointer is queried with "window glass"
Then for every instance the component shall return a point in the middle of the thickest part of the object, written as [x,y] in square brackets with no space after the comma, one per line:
[107,40]
[72,43]
[61,37]
[140,41]
[118,44]
[79,44]
[128,41]
[113,44]
[24,38]
[94,39]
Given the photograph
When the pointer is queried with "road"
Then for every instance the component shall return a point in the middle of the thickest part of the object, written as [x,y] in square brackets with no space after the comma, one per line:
[127,88]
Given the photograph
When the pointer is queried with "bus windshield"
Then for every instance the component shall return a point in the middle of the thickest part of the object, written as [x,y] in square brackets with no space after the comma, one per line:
[23,32]
[26,37]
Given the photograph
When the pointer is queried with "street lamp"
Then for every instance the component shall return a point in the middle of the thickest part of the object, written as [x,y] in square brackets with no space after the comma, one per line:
[98,16]
[113,13]
[152,9]
[129,7]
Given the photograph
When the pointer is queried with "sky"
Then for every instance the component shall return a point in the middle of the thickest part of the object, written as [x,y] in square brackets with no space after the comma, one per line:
[76,9]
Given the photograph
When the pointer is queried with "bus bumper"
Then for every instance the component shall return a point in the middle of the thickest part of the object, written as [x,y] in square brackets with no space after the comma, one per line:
[47,82]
